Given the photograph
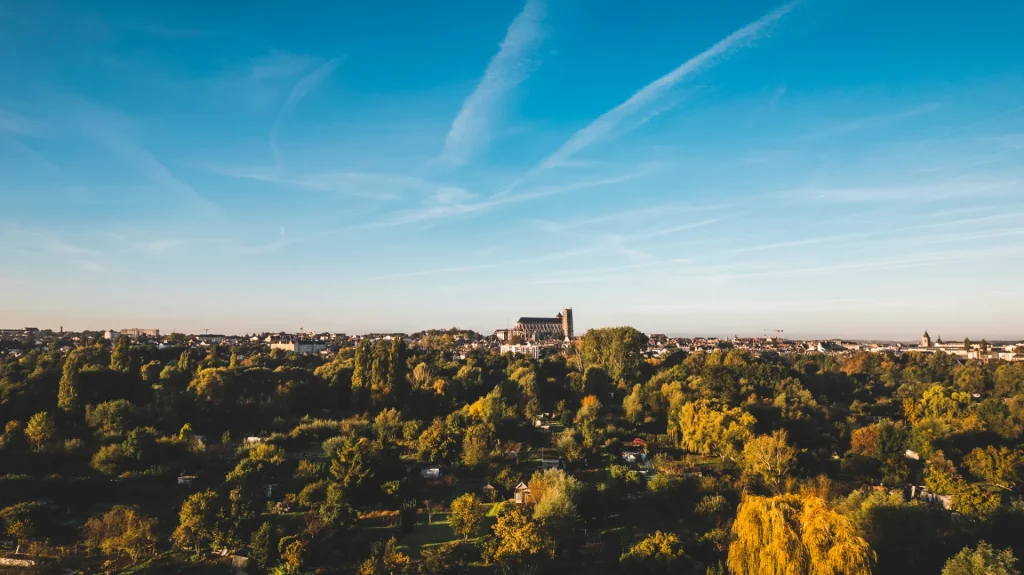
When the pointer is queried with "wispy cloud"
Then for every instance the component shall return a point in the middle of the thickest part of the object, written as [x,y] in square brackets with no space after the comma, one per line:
[445,206]
[278,65]
[16,124]
[470,132]
[307,84]
[650,94]
[913,193]
[112,131]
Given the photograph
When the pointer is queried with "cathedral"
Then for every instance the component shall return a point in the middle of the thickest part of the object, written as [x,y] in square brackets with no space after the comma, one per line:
[541,328]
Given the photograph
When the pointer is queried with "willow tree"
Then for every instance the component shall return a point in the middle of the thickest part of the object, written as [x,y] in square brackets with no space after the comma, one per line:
[795,535]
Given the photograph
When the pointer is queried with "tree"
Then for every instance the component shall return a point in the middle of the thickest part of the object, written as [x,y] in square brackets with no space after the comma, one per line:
[122,531]
[941,475]
[555,493]
[466,515]
[260,549]
[970,378]
[67,391]
[385,559]
[121,356]
[113,417]
[618,350]
[793,534]
[352,466]
[633,405]
[769,457]
[185,362]
[520,545]
[657,553]
[436,442]
[387,425]
[40,430]
[708,430]
[197,522]
[982,560]
[999,466]
[967,343]
[475,449]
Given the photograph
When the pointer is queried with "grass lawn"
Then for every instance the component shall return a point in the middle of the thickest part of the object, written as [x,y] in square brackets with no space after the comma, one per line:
[438,532]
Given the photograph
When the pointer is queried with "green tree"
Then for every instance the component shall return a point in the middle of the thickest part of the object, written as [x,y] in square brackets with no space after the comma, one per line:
[618,350]
[999,466]
[40,430]
[185,362]
[466,515]
[436,442]
[121,356]
[655,554]
[197,522]
[792,534]
[555,493]
[475,446]
[941,475]
[387,425]
[352,466]
[260,548]
[982,560]
[67,391]
[633,405]
[967,343]
[113,417]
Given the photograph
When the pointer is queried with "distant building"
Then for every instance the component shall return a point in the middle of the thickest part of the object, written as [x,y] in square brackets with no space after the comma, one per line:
[111,334]
[539,328]
[136,332]
[926,340]
[532,351]
[299,346]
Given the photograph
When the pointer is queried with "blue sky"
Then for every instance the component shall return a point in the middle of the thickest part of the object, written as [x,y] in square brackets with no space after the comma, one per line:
[843,168]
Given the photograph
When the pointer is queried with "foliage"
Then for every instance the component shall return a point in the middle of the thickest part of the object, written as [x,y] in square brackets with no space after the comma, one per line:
[617,350]
[982,560]
[466,515]
[769,457]
[122,531]
[793,534]
[709,430]
[657,553]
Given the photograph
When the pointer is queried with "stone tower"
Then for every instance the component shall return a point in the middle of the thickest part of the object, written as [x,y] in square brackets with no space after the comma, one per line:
[926,340]
[567,322]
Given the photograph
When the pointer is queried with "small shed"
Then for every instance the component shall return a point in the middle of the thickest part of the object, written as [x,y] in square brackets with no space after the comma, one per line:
[490,493]
[432,471]
[523,495]
[186,479]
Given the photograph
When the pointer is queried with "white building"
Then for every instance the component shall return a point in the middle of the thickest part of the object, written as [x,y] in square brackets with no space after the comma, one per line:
[299,346]
[140,332]
[527,350]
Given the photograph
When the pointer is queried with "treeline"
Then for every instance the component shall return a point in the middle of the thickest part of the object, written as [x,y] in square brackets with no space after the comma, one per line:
[123,455]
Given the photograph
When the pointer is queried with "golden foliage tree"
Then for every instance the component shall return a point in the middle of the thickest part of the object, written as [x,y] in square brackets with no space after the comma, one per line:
[708,430]
[122,531]
[795,535]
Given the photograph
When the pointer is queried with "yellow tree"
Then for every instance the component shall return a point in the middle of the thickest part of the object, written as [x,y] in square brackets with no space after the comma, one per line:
[795,535]
[708,430]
